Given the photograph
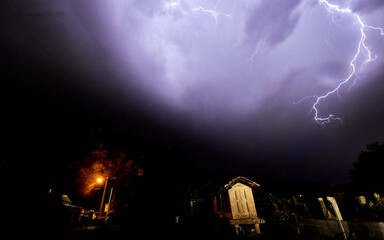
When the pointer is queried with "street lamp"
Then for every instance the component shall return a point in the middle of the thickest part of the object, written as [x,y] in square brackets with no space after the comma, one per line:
[99,180]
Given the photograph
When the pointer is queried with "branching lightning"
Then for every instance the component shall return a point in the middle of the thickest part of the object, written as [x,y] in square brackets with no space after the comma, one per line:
[362,48]
[214,13]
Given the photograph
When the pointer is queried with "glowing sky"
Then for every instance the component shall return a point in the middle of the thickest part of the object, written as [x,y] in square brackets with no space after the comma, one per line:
[227,73]
[234,56]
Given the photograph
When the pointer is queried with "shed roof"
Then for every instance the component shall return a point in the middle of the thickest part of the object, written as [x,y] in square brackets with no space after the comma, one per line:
[242,180]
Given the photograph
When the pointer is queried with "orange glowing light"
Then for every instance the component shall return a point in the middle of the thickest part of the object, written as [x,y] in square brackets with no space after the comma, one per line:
[99,180]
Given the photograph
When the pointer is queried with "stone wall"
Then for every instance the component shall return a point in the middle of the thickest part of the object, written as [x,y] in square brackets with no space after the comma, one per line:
[354,230]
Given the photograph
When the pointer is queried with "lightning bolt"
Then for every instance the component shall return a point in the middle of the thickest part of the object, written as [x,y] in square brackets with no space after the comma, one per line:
[251,59]
[362,48]
[214,13]
[351,77]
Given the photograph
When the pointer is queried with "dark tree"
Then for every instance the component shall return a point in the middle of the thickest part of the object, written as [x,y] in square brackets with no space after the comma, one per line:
[367,171]
[102,163]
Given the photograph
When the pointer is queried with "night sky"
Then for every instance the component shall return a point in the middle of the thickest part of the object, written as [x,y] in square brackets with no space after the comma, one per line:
[214,81]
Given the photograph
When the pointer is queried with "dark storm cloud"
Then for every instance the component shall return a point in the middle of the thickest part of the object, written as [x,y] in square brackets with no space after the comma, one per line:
[273,21]
[367,6]
[230,74]
[227,73]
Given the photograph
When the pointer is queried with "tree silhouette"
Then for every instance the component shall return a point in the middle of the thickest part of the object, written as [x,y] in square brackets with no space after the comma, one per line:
[102,163]
[367,171]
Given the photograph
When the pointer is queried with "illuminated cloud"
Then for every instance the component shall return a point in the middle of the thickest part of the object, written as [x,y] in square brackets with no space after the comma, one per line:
[229,57]
[230,71]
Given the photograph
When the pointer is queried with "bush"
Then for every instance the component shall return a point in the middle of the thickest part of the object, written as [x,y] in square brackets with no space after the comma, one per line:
[375,209]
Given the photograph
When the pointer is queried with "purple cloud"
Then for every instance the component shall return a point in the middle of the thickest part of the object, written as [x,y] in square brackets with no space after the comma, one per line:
[273,21]
[229,67]
[367,6]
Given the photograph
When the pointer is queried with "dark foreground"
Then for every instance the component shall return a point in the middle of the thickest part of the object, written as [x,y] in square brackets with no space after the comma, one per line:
[207,230]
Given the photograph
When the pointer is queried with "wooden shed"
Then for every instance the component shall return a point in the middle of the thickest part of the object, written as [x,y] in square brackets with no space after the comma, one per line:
[235,202]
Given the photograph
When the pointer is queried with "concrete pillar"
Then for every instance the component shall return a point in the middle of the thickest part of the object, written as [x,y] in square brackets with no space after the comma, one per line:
[324,208]
[335,207]
[339,218]
[362,200]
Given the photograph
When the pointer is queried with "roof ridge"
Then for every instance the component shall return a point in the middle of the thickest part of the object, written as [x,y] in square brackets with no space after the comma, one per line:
[243,180]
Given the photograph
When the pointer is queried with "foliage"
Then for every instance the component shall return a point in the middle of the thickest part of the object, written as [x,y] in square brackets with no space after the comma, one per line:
[286,211]
[367,170]
[284,214]
[102,163]
[376,208]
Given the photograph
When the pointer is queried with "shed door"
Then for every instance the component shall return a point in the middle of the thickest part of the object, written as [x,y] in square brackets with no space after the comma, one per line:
[242,202]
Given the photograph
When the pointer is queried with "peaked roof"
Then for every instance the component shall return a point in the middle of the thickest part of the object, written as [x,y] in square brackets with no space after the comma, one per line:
[242,180]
